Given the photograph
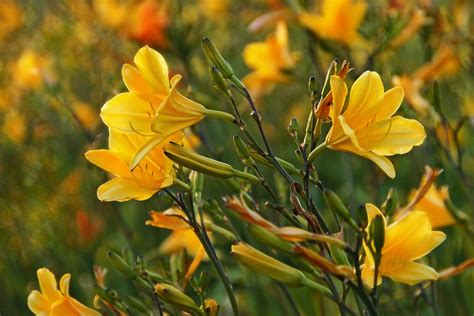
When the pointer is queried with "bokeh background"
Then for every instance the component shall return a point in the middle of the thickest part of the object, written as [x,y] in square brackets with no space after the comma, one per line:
[61,60]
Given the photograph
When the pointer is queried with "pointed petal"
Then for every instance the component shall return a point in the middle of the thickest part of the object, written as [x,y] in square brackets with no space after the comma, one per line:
[195,263]
[413,273]
[123,189]
[383,162]
[390,103]
[434,241]
[64,284]
[145,149]
[339,93]
[81,309]
[128,113]
[48,285]
[348,131]
[366,91]
[134,80]
[167,220]
[38,303]
[152,65]
[396,135]
[109,161]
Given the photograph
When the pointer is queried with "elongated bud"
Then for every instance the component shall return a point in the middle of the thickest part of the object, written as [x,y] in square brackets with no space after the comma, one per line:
[266,265]
[189,159]
[197,181]
[243,151]
[293,127]
[135,303]
[100,292]
[120,264]
[216,58]
[390,204]
[378,235]
[268,238]
[285,164]
[362,217]
[336,205]
[177,298]
[218,80]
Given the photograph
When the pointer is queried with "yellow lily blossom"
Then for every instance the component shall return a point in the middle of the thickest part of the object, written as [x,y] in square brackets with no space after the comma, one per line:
[366,127]
[406,240]
[338,20]
[444,63]
[31,70]
[182,237]
[268,59]
[11,17]
[53,302]
[153,106]
[154,172]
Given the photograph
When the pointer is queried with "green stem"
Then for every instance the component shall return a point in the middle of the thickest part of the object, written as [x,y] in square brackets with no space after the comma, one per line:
[245,175]
[317,287]
[312,155]
[181,185]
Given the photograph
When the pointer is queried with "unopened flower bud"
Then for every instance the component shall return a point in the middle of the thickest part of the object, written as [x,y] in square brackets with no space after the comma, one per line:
[336,205]
[268,238]
[242,151]
[217,79]
[266,265]
[312,85]
[120,264]
[177,298]
[378,225]
[293,126]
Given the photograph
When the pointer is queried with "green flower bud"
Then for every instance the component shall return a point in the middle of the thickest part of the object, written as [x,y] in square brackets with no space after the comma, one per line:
[217,79]
[177,298]
[336,205]
[268,238]
[120,264]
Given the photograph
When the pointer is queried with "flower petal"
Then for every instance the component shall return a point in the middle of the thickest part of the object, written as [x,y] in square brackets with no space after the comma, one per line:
[48,285]
[81,309]
[145,149]
[128,113]
[434,241]
[134,80]
[366,91]
[348,131]
[123,189]
[339,93]
[383,162]
[413,273]
[196,261]
[109,161]
[38,303]
[396,135]
[152,65]
[64,284]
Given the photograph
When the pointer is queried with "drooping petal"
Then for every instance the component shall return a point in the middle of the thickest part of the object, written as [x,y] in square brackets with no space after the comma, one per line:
[109,161]
[366,91]
[383,162]
[64,284]
[128,113]
[412,273]
[169,221]
[152,65]
[48,285]
[123,189]
[434,241]
[38,303]
[195,263]
[396,135]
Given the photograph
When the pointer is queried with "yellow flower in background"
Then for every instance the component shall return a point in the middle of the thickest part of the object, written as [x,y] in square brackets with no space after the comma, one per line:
[153,173]
[367,126]
[53,302]
[338,20]
[406,240]
[444,63]
[182,237]
[85,114]
[268,60]
[153,106]
[11,17]
[112,13]
[214,9]
[14,126]
[31,70]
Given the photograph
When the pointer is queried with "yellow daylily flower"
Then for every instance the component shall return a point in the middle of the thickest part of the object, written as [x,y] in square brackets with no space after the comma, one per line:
[338,20]
[31,70]
[153,106]
[11,17]
[366,126]
[154,172]
[268,59]
[182,237]
[53,302]
[444,63]
[406,240]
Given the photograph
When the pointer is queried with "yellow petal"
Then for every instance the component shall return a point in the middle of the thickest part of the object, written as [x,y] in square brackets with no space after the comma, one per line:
[64,284]
[108,161]
[38,303]
[348,131]
[413,273]
[396,135]
[169,221]
[339,93]
[122,189]
[144,150]
[255,54]
[383,162]
[195,263]
[48,285]
[134,81]
[434,241]
[366,91]
[152,65]
[128,113]
[82,309]
[368,274]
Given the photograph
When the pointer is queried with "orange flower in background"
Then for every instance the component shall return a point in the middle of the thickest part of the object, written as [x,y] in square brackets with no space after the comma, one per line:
[417,20]
[367,126]
[11,17]
[338,20]
[182,237]
[53,302]
[31,70]
[154,172]
[444,63]
[269,60]
[406,240]
[150,23]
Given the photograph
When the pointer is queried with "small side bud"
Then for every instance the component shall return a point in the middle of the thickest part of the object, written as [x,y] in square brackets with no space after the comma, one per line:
[177,298]
[242,150]
[217,79]
[293,127]
[378,229]
[216,58]
[120,264]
